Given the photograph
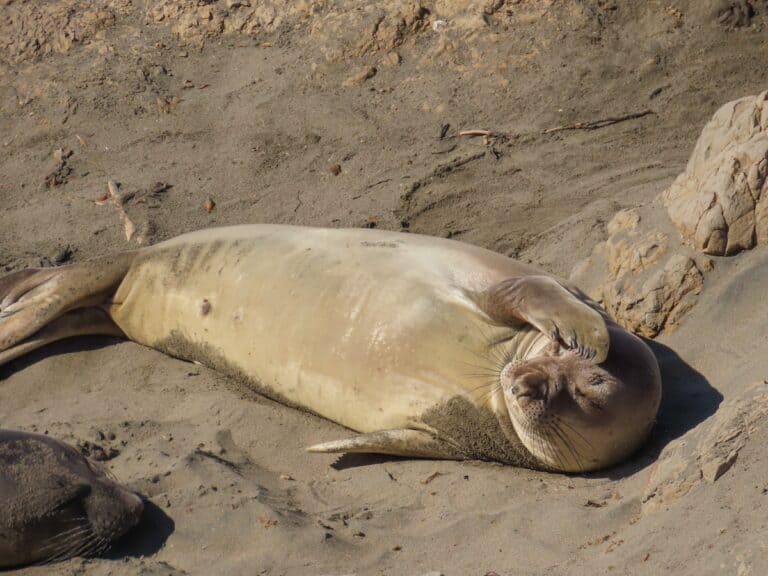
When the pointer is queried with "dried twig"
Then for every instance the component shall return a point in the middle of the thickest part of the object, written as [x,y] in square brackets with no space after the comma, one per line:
[473,133]
[431,477]
[592,125]
[129,228]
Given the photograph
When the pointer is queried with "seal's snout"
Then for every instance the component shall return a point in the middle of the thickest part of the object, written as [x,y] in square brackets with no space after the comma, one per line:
[530,387]
[113,511]
[135,507]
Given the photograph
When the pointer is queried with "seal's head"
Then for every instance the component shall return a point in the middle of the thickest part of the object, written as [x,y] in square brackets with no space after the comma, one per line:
[56,503]
[573,415]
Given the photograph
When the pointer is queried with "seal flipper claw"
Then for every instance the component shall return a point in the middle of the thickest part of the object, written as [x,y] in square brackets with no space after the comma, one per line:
[551,308]
[402,442]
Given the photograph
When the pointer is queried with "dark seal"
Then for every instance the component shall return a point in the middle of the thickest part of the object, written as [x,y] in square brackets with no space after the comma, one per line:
[56,504]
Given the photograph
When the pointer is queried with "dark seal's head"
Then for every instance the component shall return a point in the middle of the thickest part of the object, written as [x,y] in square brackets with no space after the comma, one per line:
[55,503]
[573,415]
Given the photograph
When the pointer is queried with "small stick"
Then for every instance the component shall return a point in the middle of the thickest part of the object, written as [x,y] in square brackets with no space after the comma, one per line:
[473,133]
[129,228]
[592,125]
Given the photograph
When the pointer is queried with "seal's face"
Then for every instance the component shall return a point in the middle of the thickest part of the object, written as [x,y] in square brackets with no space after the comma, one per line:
[575,416]
[57,504]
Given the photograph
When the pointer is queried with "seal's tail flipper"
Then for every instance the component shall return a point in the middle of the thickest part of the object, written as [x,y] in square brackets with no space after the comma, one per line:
[33,299]
[82,322]
[404,442]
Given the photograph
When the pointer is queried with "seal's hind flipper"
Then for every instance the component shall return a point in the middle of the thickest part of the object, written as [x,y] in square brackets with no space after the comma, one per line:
[403,442]
[32,299]
[13,280]
[82,322]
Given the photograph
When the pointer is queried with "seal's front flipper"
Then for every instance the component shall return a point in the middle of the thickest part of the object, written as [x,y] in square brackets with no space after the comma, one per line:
[552,309]
[82,322]
[31,299]
[410,443]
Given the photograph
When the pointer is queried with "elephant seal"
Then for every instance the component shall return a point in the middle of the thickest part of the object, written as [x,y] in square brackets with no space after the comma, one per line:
[428,347]
[55,503]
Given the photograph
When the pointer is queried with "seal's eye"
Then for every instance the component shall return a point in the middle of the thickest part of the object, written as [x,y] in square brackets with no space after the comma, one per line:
[586,400]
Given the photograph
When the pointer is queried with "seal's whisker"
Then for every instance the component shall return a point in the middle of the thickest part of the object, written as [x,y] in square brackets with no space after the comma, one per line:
[66,552]
[93,546]
[488,394]
[573,452]
[105,546]
[76,519]
[554,451]
[62,537]
[576,432]
[489,376]
[84,544]
[563,441]
[547,448]
[63,549]
[544,444]
[487,384]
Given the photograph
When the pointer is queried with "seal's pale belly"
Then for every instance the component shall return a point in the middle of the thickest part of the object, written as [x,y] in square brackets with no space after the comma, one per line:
[314,317]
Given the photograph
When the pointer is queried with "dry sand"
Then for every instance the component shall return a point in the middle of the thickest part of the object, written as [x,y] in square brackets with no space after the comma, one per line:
[331,113]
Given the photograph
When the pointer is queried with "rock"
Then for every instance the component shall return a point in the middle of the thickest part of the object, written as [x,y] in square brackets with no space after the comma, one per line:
[708,451]
[711,471]
[360,76]
[720,203]
[641,274]
[391,59]
[645,274]
[36,29]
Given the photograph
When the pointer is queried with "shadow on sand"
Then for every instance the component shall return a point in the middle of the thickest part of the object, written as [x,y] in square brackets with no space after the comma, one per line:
[349,460]
[147,538]
[687,400]
[67,346]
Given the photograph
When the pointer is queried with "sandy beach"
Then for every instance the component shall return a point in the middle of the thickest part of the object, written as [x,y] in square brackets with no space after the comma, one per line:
[343,113]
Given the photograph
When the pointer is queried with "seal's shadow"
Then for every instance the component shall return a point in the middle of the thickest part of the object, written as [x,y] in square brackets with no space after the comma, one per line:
[67,346]
[350,460]
[687,400]
[147,538]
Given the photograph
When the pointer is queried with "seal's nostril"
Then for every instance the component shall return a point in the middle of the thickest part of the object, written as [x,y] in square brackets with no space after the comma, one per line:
[532,394]
[532,386]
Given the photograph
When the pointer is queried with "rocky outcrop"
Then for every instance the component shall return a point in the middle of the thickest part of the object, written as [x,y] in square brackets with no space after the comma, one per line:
[706,453]
[650,270]
[720,203]
[33,29]
[641,274]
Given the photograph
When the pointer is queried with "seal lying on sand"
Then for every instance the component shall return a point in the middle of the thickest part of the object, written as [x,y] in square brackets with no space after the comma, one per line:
[429,347]
[54,504]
